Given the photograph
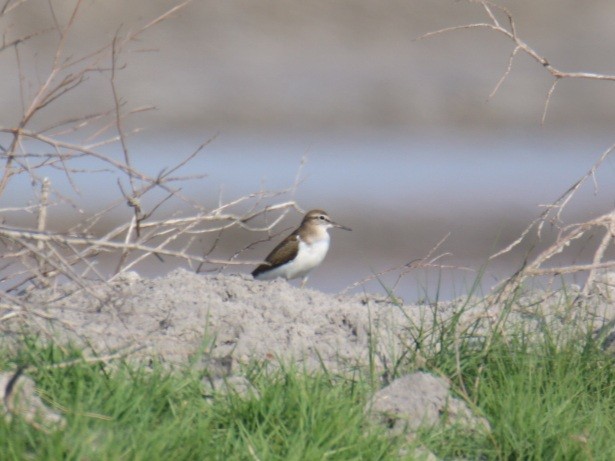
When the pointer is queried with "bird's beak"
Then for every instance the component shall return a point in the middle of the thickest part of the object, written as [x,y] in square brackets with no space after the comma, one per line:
[340,226]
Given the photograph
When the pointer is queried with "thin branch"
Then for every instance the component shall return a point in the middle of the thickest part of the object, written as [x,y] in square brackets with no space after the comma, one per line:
[548,100]
[506,73]
[100,244]
[519,45]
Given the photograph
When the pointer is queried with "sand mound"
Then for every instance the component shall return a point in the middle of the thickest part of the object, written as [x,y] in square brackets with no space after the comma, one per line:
[228,318]
[225,320]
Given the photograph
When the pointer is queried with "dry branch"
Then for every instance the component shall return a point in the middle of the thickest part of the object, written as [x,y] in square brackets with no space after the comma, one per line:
[543,263]
[510,32]
[96,146]
[429,261]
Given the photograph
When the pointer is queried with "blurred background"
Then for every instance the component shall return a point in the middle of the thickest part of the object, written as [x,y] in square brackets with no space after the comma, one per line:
[400,139]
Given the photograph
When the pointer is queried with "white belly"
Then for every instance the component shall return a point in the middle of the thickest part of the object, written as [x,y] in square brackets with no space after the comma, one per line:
[308,257]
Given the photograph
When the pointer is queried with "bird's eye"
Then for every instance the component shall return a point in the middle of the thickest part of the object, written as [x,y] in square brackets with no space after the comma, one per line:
[322,217]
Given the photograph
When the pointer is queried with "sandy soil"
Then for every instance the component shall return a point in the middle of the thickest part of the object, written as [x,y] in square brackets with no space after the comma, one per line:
[226,320]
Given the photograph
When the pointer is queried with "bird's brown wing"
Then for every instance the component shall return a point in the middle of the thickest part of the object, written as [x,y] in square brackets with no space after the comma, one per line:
[285,251]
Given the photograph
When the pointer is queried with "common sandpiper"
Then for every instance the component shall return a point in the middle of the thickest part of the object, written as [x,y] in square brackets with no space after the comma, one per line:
[301,251]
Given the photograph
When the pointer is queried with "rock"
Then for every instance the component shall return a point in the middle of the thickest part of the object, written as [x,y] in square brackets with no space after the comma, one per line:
[418,400]
[19,398]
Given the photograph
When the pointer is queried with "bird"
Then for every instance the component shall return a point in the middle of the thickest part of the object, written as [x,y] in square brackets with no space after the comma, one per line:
[301,251]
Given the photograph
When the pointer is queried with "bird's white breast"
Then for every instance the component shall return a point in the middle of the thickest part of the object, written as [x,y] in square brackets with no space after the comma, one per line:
[308,257]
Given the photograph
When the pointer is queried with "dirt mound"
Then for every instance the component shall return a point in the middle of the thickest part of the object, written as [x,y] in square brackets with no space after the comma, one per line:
[226,320]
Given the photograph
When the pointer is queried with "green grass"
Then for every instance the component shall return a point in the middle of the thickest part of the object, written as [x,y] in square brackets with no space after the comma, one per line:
[149,414]
[551,402]
[545,398]
[543,402]
[548,393]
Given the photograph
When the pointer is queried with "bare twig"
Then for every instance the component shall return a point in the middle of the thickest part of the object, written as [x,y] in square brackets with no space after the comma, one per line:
[124,352]
[94,244]
[519,45]
[163,220]
[42,219]
[542,264]
[429,261]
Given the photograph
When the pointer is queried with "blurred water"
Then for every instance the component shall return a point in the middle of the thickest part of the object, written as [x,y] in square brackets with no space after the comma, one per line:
[379,168]
[401,193]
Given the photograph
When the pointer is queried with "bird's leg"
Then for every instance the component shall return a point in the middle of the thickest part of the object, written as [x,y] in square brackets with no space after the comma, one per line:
[304,281]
